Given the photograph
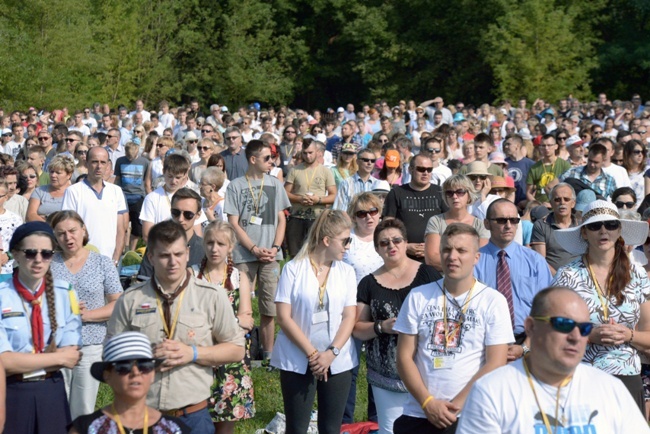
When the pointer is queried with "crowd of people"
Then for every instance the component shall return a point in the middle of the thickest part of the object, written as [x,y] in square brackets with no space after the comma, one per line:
[491,262]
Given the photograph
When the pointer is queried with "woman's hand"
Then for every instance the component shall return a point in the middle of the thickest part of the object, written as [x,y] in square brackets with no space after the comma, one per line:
[610,334]
[320,362]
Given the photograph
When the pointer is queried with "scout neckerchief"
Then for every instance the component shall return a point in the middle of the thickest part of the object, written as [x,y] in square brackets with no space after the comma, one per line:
[165,307]
[36,320]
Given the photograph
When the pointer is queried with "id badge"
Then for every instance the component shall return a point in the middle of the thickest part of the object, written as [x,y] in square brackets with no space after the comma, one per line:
[443,362]
[255,220]
[319,317]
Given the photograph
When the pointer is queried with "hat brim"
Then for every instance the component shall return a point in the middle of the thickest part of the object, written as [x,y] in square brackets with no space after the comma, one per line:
[634,233]
[97,369]
[480,173]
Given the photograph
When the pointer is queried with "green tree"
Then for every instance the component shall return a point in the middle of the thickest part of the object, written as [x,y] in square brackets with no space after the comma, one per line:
[536,51]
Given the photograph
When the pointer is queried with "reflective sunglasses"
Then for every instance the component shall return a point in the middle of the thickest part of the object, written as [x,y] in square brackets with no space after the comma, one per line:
[504,220]
[362,214]
[30,254]
[610,225]
[124,367]
[475,177]
[451,193]
[424,169]
[368,160]
[621,204]
[187,215]
[396,241]
[566,325]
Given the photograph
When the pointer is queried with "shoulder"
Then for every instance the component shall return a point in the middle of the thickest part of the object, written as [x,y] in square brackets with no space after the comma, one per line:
[62,285]
[133,288]
[203,285]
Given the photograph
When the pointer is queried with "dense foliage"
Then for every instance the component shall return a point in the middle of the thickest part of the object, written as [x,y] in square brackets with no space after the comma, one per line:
[319,52]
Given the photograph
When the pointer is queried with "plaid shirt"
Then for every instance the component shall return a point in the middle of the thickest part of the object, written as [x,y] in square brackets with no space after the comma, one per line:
[604,184]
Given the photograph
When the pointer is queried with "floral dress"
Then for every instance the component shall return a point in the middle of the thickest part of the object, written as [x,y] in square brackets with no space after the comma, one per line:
[232,391]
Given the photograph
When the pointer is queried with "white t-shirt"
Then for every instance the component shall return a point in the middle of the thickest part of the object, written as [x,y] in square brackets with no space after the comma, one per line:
[619,174]
[157,207]
[362,256]
[593,402]
[84,130]
[487,322]
[440,174]
[166,120]
[146,116]
[98,211]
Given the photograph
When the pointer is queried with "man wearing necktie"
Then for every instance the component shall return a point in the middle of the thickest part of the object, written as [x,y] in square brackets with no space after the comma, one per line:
[515,271]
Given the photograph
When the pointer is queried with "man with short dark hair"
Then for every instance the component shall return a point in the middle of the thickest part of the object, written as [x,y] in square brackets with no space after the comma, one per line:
[592,173]
[518,166]
[544,174]
[190,323]
[113,147]
[552,391]
[619,173]
[483,145]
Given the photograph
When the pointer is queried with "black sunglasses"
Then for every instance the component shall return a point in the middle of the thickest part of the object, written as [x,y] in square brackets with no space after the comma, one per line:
[566,325]
[504,220]
[368,160]
[205,131]
[610,225]
[267,158]
[160,145]
[434,150]
[475,177]
[81,152]
[362,214]
[187,215]
[30,254]
[124,367]
[203,148]
[71,140]
[621,204]
[424,169]
[451,193]
[397,241]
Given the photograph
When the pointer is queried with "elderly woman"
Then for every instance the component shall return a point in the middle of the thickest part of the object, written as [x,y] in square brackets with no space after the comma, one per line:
[127,367]
[615,290]
[211,182]
[458,194]
[48,199]
[380,297]
[98,285]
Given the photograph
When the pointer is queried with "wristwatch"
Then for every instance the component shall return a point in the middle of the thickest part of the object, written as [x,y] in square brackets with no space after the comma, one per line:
[276,247]
[525,348]
[335,350]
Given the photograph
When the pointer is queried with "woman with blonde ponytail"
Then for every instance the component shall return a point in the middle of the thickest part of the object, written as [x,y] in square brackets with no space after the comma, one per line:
[316,305]
[232,392]
[40,333]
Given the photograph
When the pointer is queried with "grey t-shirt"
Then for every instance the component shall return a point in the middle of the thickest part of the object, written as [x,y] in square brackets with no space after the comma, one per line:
[48,204]
[544,231]
[243,202]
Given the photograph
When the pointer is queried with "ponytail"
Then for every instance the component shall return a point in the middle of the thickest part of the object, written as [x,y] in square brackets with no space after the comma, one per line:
[619,272]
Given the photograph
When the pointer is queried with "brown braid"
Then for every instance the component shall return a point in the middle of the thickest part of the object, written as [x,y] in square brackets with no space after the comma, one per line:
[204,263]
[229,267]
[51,310]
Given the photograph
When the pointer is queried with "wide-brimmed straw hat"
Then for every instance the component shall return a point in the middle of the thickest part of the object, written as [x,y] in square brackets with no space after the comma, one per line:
[478,168]
[634,233]
[122,347]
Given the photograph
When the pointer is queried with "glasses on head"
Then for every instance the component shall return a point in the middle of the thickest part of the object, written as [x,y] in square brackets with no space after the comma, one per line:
[480,177]
[503,220]
[386,242]
[368,160]
[451,193]
[362,214]
[434,150]
[621,204]
[566,325]
[422,169]
[31,254]
[610,225]
[203,148]
[124,367]
[187,215]
[562,199]
[82,152]
[232,137]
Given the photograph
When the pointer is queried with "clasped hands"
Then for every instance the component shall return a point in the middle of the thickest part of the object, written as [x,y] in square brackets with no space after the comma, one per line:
[320,362]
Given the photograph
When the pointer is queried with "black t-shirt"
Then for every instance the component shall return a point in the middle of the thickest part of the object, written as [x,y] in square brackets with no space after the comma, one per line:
[99,423]
[414,208]
[386,303]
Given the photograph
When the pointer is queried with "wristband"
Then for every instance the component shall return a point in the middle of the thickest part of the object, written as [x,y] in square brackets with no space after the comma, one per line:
[426,401]
[312,354]
[631,336]
[377,328]
[196,353]
[252,248]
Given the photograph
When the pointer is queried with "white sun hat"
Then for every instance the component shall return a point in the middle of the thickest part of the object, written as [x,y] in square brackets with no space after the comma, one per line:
[634,233]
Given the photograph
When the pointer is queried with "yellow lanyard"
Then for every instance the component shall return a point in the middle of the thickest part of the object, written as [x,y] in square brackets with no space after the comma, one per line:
[168,332]
[225,276]
[309,181]
[599,291]
[566,381]
[120,427]
[256,203]
[449,335]
[321,288]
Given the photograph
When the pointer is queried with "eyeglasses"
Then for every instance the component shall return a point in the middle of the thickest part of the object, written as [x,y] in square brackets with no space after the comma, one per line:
[422,169]
[362,214]
[451,193]
[504,220]
[232,138]
[562,199]
[30,254]
[205,131]
[434,150]
[124,367]
[81,152]
[621,204]
[475,177]
[610,225]
[386,242]
[368,160]
[187,215]
[566,325]
[203,148]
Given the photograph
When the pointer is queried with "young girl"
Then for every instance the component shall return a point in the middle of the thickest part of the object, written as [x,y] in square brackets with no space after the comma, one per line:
[232,392]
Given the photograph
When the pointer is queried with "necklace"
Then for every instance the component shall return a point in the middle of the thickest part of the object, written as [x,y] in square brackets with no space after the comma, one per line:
[318,269]
[120,427]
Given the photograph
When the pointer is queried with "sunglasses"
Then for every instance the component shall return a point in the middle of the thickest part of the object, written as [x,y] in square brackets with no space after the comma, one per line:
[396,241]
[424,169]
[368,160]
[232,138]
[43,139]
[362,214]
[434,150]
[637,152]
[192,141]
[561,138]
[31,176]
[610,225]
[475,177]
[187,215]
[71,140]
[621,204]
[451,193]
[205,131]
[161,145]
[81,152]
[289,132]
[203,148]
[124,367]
[30,254]
[617,161]
[349,153]
[504,220]
[108,136]
[267,158]
[566,325]
[345,241]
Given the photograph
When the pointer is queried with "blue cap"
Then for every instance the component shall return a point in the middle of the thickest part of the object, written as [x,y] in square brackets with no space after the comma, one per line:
[459,117]
[584,198]
[23,231]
